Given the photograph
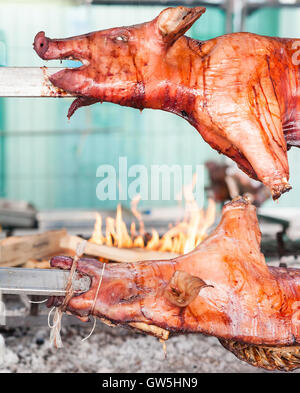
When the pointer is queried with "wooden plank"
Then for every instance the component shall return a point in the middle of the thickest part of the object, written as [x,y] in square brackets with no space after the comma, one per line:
[113,253]
[29,82]
[16,250]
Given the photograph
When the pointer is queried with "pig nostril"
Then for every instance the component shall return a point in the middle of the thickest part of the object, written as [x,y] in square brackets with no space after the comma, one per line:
[41,44]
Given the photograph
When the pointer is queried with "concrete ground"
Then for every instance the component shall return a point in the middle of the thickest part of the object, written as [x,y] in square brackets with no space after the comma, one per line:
[114,350]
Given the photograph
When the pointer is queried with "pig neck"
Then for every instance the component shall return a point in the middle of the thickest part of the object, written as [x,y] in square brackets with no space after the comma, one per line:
[173,83]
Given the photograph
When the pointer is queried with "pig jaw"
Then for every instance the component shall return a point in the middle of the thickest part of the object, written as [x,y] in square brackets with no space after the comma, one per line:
[118,299]
[136,296]
[146,301]
[132,295]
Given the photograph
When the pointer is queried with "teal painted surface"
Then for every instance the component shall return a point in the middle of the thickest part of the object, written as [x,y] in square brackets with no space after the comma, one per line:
[2,120]
[52,162]
[264,21]
[211,24]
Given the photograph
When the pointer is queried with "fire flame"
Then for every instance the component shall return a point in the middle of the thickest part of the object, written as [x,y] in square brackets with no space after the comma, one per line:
[180,239]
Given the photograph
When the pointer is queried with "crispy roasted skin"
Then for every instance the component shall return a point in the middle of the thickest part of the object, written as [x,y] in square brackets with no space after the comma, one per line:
[223,288]
[240,91]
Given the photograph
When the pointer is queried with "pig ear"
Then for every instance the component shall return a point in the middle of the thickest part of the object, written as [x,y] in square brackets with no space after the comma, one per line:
[183,288]
[174,22]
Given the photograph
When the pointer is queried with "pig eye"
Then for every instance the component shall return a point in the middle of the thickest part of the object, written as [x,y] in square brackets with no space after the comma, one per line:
[121,38]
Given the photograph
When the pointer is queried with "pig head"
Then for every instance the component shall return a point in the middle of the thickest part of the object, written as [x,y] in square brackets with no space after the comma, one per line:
[223,288]
[240,91]
[122,65]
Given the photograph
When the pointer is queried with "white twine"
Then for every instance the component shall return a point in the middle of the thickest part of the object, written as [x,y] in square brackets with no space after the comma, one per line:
[55,328]
[92,331]
[98,288]
[94,302]
[55,337]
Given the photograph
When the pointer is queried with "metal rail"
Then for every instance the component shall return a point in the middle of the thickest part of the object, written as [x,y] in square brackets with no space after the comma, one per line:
[159,2]
[28,82]
[248,4]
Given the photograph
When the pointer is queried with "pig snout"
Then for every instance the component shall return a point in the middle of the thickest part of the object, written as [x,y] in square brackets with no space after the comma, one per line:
[47,48]
[112,288]
[73,48]
[41,44]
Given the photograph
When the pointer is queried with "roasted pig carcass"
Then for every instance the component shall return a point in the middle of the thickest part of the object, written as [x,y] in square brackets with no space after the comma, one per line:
[240,91]
[223,288]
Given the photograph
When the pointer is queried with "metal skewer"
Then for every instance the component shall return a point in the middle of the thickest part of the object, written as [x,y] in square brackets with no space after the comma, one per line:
[45,282]
[29,82]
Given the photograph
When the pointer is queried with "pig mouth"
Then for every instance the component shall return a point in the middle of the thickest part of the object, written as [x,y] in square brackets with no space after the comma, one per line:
[70,80]
[139,327]
[118,295]
[48,49]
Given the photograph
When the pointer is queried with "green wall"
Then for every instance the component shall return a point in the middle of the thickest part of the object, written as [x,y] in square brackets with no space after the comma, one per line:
[264,21]
[2,120]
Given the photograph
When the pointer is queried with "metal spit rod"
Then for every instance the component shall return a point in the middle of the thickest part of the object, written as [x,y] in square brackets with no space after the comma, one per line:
[29,82]
[44,282]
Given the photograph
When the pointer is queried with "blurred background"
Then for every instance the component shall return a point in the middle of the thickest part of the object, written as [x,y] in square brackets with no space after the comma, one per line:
[51,162]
